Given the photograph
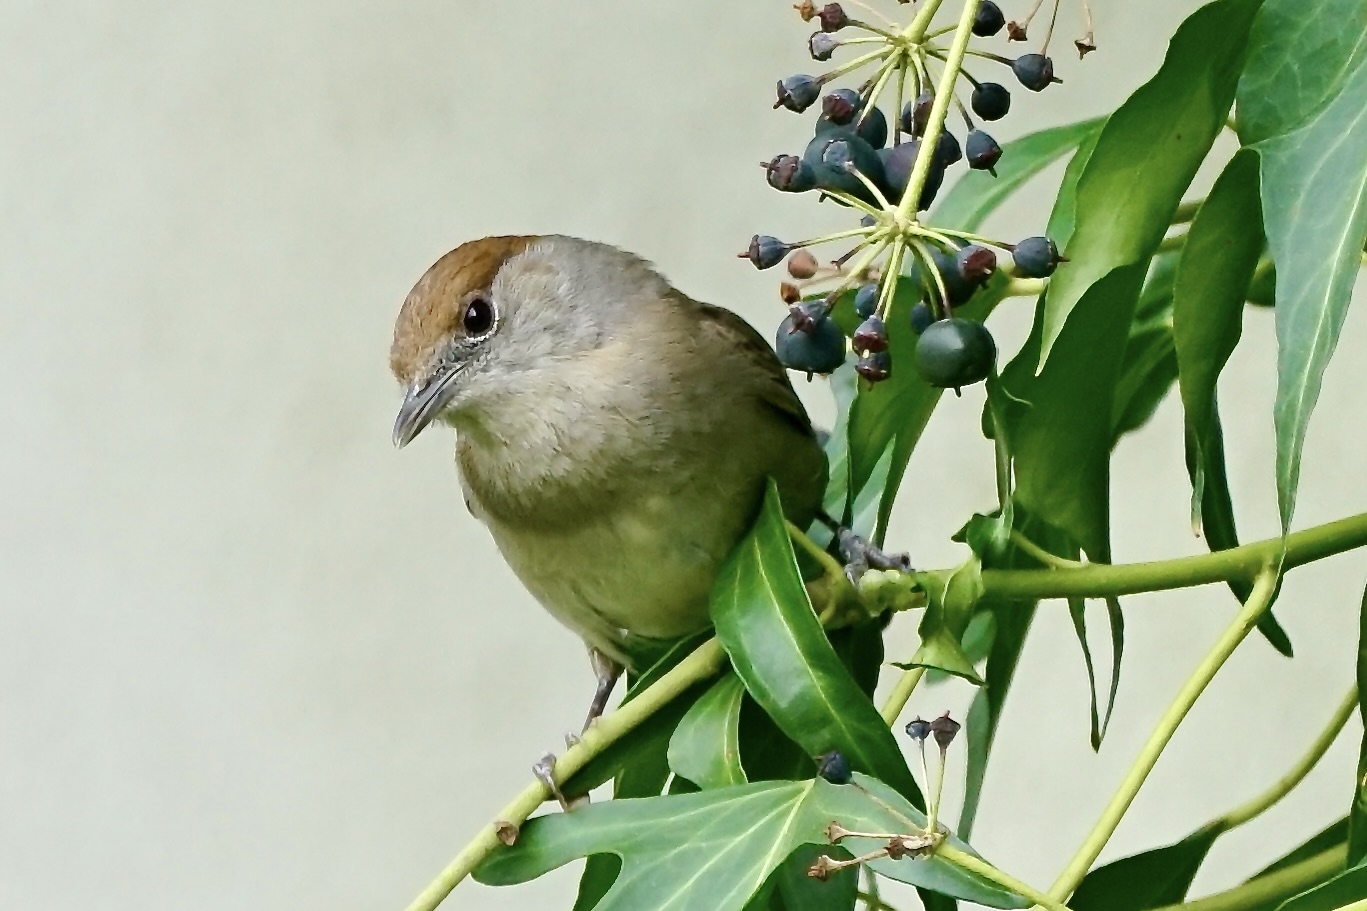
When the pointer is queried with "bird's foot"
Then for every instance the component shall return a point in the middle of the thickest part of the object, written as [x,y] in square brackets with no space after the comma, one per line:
[544,771]
[862,556]
[608,672]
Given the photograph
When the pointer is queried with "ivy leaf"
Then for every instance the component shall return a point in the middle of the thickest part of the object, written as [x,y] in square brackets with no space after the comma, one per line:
[1146,156]
[952,602]
[976,194]
[1116,621]
[1348,887]
[705,747]
[1213,274]
[1216,266]
[1357,813]
[1301,110]
[1150,365]
[1217,521]
[779,649]
[735,836]
[791,889]
[1158,877]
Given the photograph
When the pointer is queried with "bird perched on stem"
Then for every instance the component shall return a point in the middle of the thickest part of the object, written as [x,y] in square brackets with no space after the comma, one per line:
[613,434]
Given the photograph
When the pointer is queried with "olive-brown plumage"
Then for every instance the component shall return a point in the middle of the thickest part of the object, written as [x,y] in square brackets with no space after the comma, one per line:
[612,433]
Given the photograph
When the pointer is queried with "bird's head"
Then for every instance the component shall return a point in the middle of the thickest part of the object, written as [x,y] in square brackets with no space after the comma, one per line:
[504,321]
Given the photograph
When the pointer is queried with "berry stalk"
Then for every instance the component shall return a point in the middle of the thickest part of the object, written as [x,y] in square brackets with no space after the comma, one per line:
[906,210]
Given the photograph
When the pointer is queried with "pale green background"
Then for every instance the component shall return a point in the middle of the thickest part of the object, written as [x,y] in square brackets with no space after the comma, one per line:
[251,657]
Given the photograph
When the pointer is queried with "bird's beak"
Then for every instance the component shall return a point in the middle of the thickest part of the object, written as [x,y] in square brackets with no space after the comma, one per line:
[424,401]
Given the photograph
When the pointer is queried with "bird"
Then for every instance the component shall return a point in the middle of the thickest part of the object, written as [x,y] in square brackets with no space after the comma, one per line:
[613,434]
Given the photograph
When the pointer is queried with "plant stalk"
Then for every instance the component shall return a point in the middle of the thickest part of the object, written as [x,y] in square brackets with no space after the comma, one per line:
[1258,601]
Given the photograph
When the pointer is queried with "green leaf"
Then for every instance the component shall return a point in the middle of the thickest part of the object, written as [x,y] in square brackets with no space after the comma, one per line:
[778,648]
[1348,887]
[796,891]
[645,776]
[713,850]
[1146,156]
[976,194]
[1150,365]
[1301,109]
[1357,813]
[1070,492]
[1116,622]
[836,501]
[1213,274]
[952,603]
[1062,441]
[1333,835]
[1158,877]
[1217,521]
[705,747]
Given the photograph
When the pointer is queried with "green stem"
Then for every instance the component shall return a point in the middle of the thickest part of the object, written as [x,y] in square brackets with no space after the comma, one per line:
[1186,211]
[1034,551]
[1025,287]
[706,660]
[916,29]
[1169,244]
[873,902]
[1284,785]
[982,868]
[906,210]
[901,693]
[1258,600]
[1271,889]
[1100,580]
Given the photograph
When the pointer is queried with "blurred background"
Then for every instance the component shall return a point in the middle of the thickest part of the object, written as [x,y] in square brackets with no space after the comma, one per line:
[250,656]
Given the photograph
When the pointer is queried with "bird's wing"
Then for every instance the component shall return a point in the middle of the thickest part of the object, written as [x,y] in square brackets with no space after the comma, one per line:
[778,391]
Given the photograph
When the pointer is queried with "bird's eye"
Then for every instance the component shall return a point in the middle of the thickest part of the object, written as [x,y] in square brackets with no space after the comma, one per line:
[478,318]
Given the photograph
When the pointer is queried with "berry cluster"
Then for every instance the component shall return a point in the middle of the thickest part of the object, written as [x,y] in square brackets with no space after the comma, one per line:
[889,169]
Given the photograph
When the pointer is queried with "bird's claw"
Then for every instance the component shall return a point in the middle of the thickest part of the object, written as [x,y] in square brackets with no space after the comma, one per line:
[861,556]
[545,773]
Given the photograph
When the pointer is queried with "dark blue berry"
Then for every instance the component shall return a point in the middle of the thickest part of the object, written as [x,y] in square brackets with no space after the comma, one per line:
[875,366]
[989,20]
[821,45]
[955,352]
[991,101]
[981,150]
[918,728]
[1035,257]
[832,17]
[790,174]
[797,93]
[921,317]
[809,340]
[833,767]
[765,252]
[1035,71]
[873,128]
[870,336]
[947,150]
[839,108]
[866,300]
[898,162]
[976,264]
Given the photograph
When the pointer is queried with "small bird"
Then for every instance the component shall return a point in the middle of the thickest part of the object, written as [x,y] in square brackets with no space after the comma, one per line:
[614,434]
